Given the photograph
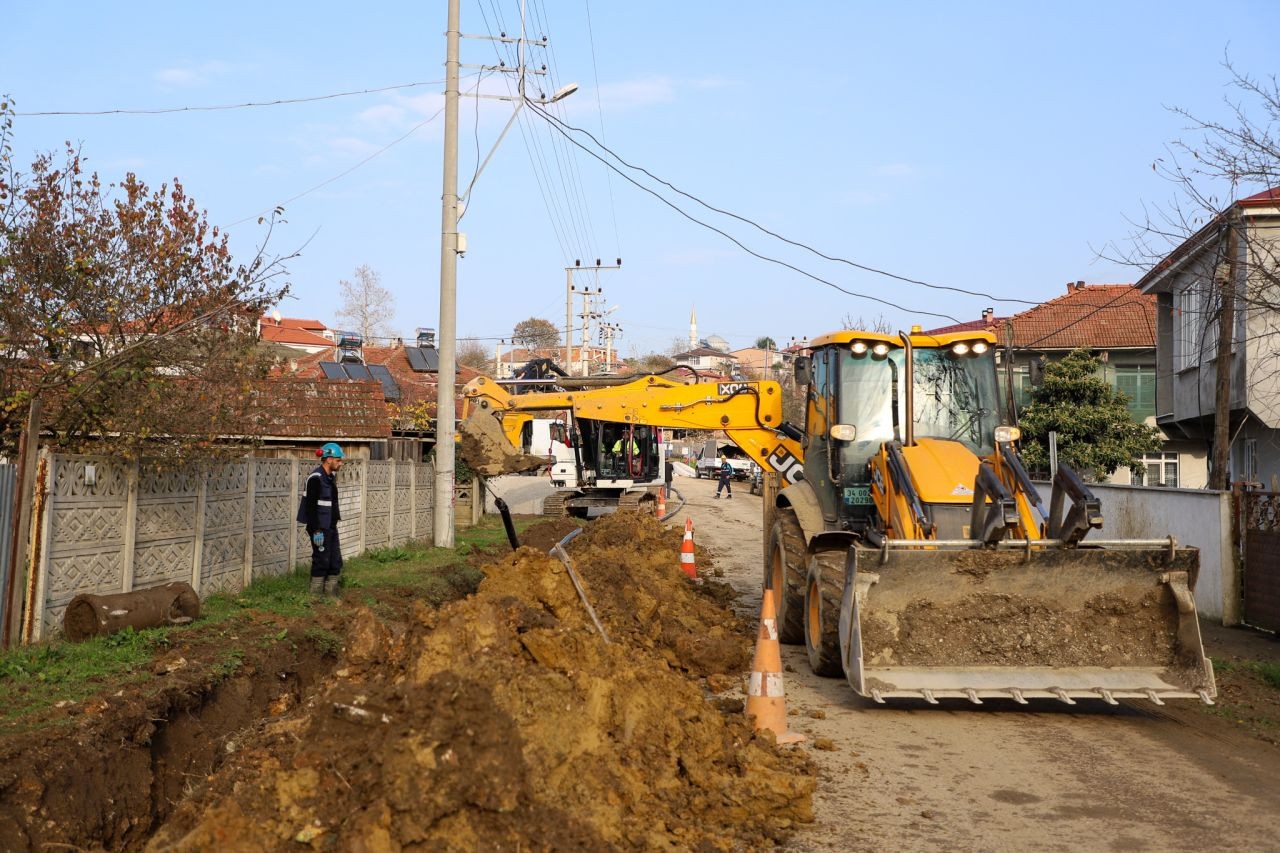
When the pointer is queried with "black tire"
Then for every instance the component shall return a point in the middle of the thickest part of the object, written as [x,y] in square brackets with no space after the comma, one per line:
[822,590]
[786,564]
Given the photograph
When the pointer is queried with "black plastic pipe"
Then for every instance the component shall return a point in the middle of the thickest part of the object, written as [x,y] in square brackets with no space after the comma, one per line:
[507,523]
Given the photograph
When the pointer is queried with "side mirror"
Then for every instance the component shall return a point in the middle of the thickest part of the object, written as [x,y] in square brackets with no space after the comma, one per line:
[804,370]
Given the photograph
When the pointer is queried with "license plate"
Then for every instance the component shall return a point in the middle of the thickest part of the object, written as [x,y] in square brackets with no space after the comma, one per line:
[857,495]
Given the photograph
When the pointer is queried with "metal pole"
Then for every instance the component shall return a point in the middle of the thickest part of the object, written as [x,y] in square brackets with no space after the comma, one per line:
[1053,454]
[568,318]
[442,514]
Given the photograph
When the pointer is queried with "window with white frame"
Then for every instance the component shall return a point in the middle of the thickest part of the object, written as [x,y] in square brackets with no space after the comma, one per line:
[1156,469]
[1188,319]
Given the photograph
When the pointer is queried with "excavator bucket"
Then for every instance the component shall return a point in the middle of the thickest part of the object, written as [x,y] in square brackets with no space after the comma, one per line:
[1015,623]
[486,449]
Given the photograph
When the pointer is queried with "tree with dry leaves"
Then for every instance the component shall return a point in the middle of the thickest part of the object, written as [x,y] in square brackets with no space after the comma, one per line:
[367,306]
[125,323]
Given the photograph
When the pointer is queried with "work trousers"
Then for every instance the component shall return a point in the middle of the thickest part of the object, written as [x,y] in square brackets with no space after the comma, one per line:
[724,484]
[327,563]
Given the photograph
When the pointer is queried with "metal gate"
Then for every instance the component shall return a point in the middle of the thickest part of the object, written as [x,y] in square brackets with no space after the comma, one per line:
[8,478]
[1260,529]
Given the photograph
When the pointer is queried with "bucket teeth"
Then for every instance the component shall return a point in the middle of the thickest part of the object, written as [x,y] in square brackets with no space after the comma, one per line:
[1151,694]
[1107,697]
[973,695]
[1204,697]
[1062,694]
[1017,696]
[875,694]
[928,697]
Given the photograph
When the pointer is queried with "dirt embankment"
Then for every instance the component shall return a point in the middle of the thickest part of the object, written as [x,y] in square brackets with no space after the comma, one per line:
[505,721]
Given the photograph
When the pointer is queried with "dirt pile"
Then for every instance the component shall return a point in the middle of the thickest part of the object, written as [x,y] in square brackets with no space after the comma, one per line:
[484,447]
[505,721]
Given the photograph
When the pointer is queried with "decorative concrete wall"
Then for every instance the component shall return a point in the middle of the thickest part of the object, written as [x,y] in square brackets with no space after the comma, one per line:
[109,527]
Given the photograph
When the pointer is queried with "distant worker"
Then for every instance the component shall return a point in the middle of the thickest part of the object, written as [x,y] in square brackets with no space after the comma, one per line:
[726,472]
[320,513]
[619,447]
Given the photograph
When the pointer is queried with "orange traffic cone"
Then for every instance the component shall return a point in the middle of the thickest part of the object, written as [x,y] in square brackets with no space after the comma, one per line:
[686,550]
[662,501]
[766,700]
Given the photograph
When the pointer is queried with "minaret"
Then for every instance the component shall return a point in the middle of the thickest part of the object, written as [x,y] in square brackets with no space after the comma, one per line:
[693,329]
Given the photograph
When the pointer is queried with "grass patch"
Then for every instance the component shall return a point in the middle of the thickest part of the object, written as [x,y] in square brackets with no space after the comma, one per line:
[1267,671]
[34,678]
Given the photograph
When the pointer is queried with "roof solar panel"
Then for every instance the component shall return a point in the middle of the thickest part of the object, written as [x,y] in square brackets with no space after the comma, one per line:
[423,359]
[333,370]
[358,371]
[390,390]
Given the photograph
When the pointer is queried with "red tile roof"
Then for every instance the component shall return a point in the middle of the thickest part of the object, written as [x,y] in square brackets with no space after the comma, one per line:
[1097,316]
[414,387]
[990,324]
[287,407]
[295,323]
[290,335]
[1262,199]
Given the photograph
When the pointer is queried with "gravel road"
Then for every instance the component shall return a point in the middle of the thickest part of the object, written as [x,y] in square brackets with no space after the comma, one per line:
[915,777]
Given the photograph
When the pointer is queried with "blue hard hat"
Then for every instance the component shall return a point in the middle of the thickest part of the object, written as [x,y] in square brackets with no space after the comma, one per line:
[333,450]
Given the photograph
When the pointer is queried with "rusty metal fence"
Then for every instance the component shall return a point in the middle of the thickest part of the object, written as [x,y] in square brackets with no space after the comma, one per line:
[1259,519]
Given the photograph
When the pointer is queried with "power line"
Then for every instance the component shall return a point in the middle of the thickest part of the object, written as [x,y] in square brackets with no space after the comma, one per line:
[727,236]
[210,108]
[608,176]
[410,132]
[776,235]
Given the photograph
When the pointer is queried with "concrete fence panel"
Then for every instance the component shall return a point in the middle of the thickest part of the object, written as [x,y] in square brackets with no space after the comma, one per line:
[1195,517]
[107,527]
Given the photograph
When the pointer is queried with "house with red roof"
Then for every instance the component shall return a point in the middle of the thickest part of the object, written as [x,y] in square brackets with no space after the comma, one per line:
[1117,323]
[1187,286]
[292,333]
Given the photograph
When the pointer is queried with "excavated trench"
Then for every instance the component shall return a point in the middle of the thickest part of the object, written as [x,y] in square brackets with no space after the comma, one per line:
[500,721]
[111,772]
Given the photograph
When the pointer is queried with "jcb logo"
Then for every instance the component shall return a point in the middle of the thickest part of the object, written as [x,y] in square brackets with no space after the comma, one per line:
[724,389]
[786,464]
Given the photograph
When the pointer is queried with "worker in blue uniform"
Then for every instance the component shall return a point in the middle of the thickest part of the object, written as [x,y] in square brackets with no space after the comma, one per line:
[320,513]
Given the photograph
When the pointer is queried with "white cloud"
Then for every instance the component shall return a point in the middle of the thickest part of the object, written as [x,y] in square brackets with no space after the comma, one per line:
[895,170]
[863,197]
[196,73]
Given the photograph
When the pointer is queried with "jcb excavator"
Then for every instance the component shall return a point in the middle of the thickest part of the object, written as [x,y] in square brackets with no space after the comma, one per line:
[910,550]
[615,433]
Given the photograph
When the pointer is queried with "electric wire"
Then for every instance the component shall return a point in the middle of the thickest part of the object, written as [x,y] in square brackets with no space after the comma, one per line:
[384,149]
[608,176]
[210,108]
[564,126]
[733,239]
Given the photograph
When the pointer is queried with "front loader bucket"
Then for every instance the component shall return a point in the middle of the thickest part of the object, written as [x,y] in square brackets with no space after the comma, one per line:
[1056,623]
[485,447]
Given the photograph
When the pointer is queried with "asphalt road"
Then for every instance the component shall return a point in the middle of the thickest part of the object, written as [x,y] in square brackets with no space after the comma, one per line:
[998,777]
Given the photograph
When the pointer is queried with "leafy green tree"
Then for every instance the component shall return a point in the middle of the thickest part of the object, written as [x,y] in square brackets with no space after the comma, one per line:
[766,343]
[652,363]
[1095,433]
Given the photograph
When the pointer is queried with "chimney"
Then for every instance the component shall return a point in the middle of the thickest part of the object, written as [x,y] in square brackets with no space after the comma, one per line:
[987,314]
[1079,285]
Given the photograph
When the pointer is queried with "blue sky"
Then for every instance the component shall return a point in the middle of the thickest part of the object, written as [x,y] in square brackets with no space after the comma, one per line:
[989,146]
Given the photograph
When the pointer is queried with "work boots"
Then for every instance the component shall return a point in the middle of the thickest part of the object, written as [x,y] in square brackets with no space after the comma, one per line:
[331,585]
[317,585]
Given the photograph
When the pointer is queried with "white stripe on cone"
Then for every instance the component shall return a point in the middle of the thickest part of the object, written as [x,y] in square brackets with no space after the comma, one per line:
[765,684]
[770,628]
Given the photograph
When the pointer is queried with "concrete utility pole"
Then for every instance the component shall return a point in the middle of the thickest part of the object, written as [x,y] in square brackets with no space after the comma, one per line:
[569,291]
[1222,366]
[442,503]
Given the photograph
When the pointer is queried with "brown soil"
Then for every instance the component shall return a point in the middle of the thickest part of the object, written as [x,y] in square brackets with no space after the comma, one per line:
[485,448]
[505,721]
[135,749]
[545,534]
[1003,629]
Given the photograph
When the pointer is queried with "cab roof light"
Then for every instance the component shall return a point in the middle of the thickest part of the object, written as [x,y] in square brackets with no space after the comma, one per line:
[960,348]
[859,347]
[880,349]
[979,347]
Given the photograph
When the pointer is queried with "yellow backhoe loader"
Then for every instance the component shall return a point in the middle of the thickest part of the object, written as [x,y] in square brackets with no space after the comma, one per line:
[917,558]
[909,549]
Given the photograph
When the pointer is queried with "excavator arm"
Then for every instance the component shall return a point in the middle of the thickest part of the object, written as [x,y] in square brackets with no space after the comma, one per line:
[749,414]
